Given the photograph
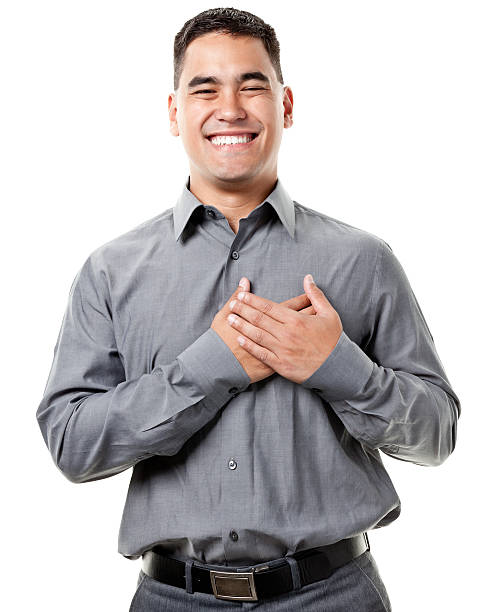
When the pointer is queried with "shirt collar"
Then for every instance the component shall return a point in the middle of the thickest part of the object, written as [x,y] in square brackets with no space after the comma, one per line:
[278,198]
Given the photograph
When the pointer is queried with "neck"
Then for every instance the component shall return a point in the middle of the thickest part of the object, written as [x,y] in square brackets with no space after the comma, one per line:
[234,200]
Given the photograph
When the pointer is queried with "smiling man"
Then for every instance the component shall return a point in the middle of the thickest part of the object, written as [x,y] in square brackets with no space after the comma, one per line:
[230,109]
[250,358]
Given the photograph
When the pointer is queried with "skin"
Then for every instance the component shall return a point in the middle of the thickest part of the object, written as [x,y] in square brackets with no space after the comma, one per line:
[235,182]
[292,343]
[295,337]
[253,366]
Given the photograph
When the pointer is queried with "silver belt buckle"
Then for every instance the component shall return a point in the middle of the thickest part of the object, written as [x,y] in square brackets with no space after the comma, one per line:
[238,586]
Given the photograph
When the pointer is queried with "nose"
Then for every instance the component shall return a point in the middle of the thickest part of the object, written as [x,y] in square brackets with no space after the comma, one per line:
[230,107]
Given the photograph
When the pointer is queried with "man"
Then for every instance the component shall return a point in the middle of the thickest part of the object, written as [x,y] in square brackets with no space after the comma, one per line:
[254,438]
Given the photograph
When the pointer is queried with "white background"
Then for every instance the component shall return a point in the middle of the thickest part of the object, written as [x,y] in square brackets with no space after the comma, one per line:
[391,134]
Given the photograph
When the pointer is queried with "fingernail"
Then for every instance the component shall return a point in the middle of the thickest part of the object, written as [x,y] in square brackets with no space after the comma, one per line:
[243,282]
[241,295]
[232,303]
[309,279]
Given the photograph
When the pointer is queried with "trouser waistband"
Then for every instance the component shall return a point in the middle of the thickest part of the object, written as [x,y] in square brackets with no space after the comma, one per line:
[263,580]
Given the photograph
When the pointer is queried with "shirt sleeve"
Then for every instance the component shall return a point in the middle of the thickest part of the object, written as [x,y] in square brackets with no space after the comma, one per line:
[96,423]
[395,394]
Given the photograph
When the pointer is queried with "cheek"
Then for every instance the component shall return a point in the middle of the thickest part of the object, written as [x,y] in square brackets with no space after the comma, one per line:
[190,119]
[271,118]
[191,132]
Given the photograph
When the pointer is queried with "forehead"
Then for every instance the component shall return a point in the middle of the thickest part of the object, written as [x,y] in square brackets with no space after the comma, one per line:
[223,54]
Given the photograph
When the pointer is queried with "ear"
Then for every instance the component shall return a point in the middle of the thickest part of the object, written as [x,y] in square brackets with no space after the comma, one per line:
[172,114]
[288,106]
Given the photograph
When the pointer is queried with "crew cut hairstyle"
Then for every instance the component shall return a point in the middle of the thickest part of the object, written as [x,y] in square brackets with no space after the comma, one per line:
[227,21]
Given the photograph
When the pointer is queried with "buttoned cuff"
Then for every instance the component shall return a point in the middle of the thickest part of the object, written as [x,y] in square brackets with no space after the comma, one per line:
[344,372]
[215,369]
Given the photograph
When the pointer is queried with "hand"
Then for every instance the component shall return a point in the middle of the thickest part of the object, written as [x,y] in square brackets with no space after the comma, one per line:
[292,344]
[256,369]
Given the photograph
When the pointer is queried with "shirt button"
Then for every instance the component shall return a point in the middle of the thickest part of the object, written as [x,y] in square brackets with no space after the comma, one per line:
[232,464]
[233,535]
[211,213]
[233,390]
[235,255]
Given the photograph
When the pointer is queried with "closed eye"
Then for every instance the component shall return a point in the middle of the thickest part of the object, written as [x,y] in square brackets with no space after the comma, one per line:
[213,91]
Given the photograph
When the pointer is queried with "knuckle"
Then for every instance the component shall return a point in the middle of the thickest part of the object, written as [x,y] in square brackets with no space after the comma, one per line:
[298,324]
[262,355]
[267,308]
[257,317]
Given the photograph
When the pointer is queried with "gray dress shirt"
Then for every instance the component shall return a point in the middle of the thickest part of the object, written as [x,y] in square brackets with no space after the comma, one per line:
[225,471]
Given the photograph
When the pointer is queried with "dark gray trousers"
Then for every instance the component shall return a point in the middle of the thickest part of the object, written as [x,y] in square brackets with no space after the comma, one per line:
[354,587]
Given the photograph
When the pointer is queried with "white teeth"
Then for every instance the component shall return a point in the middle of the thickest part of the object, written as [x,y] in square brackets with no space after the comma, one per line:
[222,140]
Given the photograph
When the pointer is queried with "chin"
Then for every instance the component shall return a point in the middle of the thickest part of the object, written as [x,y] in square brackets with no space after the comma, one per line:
[234,176]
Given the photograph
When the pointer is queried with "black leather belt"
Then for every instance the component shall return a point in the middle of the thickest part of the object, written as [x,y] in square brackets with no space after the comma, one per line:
[265,580]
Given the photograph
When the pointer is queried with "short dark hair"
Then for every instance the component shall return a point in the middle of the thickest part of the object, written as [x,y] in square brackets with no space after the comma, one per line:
[227,21]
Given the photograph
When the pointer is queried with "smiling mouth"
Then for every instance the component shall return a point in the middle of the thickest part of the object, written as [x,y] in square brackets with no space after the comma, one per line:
[223,136]
[230,146]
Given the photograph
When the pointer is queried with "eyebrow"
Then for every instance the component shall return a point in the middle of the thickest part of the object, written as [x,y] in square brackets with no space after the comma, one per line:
[245,76]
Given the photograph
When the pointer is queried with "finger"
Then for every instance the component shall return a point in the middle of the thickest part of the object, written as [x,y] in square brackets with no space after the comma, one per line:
[245,283]
[317,297]
[245,286]
[256,319]
[310,310]
[271,309]
[259,352]
[258,335]
[297,302]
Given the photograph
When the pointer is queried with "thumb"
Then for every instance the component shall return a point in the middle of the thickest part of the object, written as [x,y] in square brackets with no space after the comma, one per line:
[316,295]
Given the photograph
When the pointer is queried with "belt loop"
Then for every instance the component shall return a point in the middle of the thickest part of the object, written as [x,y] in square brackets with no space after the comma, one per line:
[188,575]
[294,572]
